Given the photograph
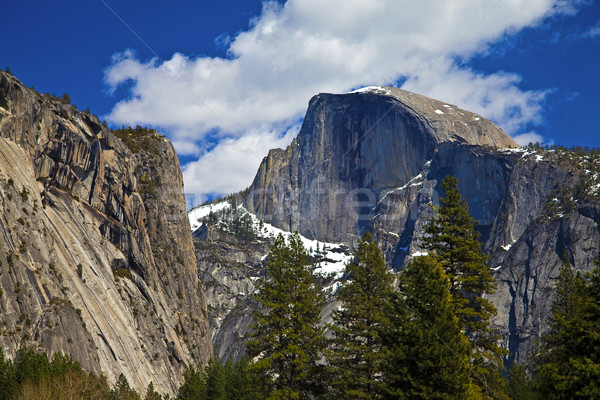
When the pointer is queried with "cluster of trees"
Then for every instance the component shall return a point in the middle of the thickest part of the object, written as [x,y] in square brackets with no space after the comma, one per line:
[574,149]
[428,338]
[139,138]
[235,220]
[217,381]
[64,99]
[567,364]
[422,334]
[32,376]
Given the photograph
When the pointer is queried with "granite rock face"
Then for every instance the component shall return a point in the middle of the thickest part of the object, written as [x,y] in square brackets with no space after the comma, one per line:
[353,148]
[96,257]
[229,266]
[374,160]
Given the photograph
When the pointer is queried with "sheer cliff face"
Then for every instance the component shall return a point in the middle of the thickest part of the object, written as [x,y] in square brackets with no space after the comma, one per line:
[353,148]
[96,257]
[374,160]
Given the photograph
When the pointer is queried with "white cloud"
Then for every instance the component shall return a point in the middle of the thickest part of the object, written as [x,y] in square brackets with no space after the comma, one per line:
[231,165]
[496,96]
[524,139]
[304,47]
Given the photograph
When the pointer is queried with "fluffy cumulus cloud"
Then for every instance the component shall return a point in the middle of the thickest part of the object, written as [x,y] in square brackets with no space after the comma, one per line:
[247,101]
[231,165]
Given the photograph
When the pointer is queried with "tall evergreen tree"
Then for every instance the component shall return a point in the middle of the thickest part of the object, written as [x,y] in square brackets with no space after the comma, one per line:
[194,384]
[355,349]
[452,239]
[240,383]
[568,366]
[287,338]
[519,385]
[122,391]
[152,394]
[31,365]
[216,380]
[8,378]
[426,352]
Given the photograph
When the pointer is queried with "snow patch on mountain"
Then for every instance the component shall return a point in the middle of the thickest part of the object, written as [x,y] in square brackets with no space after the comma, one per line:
[332,257]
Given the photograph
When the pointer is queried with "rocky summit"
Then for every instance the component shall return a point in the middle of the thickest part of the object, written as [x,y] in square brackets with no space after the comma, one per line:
[96,255]
[352,149]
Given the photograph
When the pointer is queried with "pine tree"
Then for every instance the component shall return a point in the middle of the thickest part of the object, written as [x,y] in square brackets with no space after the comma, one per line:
[122,391]
[287,338]
[568,367]
[355,350]
[452,239]
[240,384]
[216,380]
[426,353]
[519,385]
[8,379]
[31,366]
[152,394]
[194,384]
[588,369]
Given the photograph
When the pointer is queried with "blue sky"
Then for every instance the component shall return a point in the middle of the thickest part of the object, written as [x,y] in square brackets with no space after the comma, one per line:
[228,80]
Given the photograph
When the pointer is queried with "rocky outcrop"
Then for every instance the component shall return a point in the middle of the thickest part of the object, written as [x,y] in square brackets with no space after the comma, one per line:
[96,257]
[374,160]
[228,266]
[532,208]
[352,149]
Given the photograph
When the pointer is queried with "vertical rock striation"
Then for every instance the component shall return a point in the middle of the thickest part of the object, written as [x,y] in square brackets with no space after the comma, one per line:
[96,257]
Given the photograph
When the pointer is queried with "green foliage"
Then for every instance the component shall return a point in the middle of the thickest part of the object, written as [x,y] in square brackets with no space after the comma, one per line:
[122,273]
[234,220]
[568,366]
[453,241]
[240,383]
[122,391]
[427,354]
[519,386]
[64,99]
[8,379]
[32,376]
[152,394]
[31,366]
[233,197]
[24,194]
[216,380]
[287,339]
[139,139]
[232,381]
[194,384]
[355,350]
[62,364]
